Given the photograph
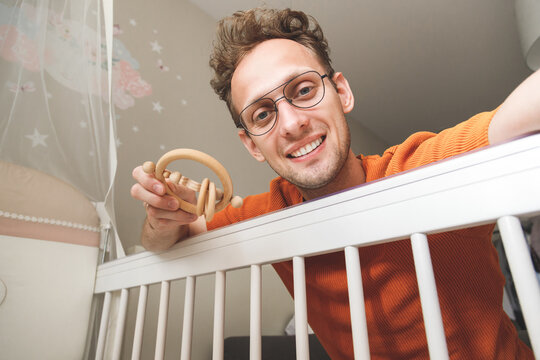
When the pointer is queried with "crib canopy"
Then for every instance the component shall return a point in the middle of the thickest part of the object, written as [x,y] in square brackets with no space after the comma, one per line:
[54,91]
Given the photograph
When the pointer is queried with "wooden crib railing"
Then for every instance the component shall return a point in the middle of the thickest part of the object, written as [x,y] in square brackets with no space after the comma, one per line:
[497,184]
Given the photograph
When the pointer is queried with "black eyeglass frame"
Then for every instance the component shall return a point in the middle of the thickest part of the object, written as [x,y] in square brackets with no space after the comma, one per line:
[240,124]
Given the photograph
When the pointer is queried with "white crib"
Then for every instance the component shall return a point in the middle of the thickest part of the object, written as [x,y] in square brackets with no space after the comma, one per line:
[506,177]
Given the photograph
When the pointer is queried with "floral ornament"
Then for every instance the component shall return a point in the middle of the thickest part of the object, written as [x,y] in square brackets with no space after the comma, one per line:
[28,86]
[127,84]
[116,30]
[162,67]
[17,47]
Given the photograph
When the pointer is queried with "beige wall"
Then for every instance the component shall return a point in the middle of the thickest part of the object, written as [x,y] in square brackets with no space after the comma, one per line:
[193,117]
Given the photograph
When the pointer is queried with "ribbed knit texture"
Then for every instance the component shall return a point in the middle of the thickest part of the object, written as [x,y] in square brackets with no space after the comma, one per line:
[465,263]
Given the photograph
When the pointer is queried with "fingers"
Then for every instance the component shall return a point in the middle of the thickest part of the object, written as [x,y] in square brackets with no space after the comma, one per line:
[162,209]
[164,202]
[162,218]
[148,181]
[183,192]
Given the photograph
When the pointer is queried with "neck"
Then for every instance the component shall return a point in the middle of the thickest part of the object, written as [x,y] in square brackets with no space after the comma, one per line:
[351,174]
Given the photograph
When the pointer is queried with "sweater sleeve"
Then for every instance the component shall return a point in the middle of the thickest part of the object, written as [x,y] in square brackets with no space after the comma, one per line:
[252,206]
[282,194]
[425,147]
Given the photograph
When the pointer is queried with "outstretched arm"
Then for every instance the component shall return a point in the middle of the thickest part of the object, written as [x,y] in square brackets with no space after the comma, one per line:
[520,112]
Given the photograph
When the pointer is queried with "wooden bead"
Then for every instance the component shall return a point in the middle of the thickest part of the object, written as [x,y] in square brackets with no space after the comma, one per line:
[175,177]
[166,174]
[237,202]
[149,167]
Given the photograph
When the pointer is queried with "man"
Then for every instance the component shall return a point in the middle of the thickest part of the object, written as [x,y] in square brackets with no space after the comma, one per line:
[273,70]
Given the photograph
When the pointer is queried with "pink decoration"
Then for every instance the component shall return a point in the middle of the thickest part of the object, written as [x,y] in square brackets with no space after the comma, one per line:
[127,80]
[19,48]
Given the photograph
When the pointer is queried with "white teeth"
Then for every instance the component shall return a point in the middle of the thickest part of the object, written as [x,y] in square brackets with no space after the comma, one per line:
[307,148]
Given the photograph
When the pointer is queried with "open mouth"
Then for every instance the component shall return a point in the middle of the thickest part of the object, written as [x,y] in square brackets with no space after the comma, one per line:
[306,149]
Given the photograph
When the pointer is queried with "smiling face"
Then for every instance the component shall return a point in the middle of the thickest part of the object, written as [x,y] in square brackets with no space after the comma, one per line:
[308,147]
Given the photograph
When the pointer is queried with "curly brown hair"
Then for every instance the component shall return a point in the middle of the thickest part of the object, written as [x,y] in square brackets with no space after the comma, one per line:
[239,33]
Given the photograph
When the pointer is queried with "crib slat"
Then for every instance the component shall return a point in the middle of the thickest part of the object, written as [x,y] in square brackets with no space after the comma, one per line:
[219,316]
[162,320]
[255,342]
[431,310]
[526,283]
[100,347]
[300,309]
[187,328]
[356,301]
[120,325]
[139,323]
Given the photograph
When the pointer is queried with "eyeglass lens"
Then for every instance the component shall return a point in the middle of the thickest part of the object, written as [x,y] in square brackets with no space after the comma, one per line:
[304,91]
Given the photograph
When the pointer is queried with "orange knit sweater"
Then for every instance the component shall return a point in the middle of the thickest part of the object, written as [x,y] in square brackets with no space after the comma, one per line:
[467,273]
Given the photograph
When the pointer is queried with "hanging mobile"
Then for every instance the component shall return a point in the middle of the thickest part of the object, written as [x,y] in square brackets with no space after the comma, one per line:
[208,193]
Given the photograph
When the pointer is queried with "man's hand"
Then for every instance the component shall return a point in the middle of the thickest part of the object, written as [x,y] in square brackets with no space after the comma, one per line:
[165,223]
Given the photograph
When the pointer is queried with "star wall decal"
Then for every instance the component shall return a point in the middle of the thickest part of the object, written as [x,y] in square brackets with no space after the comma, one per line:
[157,107]
[37,138]
[156,47]
[133,22]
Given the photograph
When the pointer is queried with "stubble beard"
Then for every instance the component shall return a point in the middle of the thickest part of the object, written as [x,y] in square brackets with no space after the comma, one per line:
[319,176]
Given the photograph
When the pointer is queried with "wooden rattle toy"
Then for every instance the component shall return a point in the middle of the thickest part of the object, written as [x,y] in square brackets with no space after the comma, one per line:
[208,193]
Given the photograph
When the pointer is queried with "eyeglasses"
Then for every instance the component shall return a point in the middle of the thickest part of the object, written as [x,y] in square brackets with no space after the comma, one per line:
[303,91]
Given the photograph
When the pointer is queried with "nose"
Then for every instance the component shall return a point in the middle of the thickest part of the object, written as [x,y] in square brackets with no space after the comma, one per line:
[291,119]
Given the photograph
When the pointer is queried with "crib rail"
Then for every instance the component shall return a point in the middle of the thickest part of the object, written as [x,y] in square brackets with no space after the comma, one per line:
[496,184]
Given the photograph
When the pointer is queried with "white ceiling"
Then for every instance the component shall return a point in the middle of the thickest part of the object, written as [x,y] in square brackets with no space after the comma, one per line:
[417,64]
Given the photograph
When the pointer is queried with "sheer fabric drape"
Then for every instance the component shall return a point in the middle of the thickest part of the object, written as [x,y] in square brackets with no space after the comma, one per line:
[54,111]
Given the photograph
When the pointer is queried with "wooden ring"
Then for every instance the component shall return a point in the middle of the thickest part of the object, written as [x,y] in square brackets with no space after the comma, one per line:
[201,202]
[204,159]
[210,202]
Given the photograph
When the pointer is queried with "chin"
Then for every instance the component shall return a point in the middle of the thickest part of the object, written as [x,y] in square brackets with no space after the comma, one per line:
[314,182]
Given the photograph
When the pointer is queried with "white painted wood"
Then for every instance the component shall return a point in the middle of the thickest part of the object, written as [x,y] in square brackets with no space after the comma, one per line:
[162,320]
[476,188]
[356,301]
[139,323]
[100,347]
[120,324]
[300,309]
[255,314]
[187,327]
[524,276]
[431,310]
[219,316]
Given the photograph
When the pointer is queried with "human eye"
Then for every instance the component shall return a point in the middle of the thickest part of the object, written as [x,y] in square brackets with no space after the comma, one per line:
[305,90]
[262,115]
[302,90]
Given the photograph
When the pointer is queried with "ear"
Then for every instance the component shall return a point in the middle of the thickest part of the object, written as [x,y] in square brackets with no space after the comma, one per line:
[251,146]
[344,91]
